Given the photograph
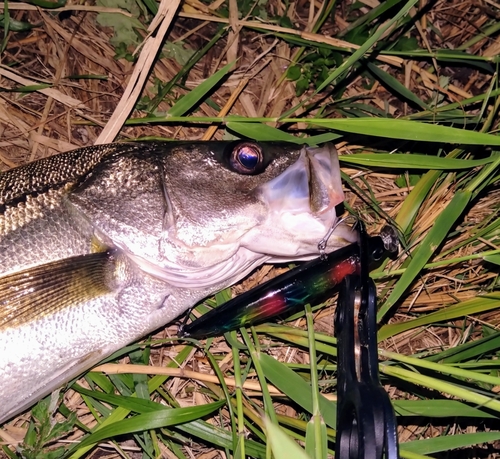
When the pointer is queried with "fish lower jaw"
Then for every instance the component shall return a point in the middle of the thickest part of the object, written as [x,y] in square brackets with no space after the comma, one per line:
[290,234]
[210,276]
[296,236]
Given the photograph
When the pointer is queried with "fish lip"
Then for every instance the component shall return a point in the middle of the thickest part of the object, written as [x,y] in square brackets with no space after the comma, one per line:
[325,184]
[311,185]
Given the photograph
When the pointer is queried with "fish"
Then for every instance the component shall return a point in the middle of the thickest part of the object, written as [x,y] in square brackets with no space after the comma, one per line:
[103,245]
[309,282]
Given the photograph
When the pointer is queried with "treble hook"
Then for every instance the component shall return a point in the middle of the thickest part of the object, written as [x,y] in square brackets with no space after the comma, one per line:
[324,241]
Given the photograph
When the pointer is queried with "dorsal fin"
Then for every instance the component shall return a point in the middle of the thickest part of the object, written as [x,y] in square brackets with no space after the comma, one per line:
[54,172]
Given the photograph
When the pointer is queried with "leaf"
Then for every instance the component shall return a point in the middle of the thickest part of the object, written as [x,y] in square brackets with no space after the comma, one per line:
[149,421]
[220,437]
[28,88]
[395,86]
[293,72]
[407,179]
[438,409]
[406,44]
[475,305]
[197,95]
[471,350]
[263,132]
[296,388]
[301,86]
[123,25]
[13,25]
[282,445]
[316,438]
[120,412]
[404,130]
[178,52]
[449,442]
[454,388]
[360,52]
[48,4]
[421,255]
[412,161]
[495,259]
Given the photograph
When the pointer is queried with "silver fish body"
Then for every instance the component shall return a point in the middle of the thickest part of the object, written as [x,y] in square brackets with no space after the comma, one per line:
[103,245]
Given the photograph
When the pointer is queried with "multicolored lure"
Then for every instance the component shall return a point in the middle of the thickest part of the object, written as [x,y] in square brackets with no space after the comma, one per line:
[308,283]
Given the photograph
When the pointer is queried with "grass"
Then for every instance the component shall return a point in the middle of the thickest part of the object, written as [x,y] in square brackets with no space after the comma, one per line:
[409,92]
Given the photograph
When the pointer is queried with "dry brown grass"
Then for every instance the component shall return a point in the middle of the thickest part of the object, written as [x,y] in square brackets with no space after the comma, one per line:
[71,113]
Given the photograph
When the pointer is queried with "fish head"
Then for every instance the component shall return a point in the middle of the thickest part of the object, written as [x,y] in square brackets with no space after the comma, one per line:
[204,214]
[301,208]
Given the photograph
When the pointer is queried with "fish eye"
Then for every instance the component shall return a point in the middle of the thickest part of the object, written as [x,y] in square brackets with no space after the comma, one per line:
[246,158]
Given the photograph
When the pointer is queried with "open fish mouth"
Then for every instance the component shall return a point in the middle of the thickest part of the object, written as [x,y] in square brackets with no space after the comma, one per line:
[311,185]
[302,201]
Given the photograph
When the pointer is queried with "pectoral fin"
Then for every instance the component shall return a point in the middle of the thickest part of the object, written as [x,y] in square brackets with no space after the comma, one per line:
[43,290]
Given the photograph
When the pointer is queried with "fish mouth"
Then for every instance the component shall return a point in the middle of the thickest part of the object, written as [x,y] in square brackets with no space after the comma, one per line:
[302,201]
[311,185]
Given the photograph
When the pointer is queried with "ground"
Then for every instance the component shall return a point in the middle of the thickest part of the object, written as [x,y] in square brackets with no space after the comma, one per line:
[95,72]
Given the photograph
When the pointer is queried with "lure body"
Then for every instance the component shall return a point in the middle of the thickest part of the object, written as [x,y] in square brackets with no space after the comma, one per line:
[308,283]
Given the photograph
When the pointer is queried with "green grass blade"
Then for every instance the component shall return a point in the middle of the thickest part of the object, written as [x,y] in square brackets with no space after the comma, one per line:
[450,442]
[121,413]
[240,429]
[316,437]
[438,409]
[495,259]
[411,161]
[134,404]
[29,88]
[282,445]
[296,388]
[471,350]
[198,94]
[268,403]
[440,385]
[442,368]
[219,437]
[404,130]
[475,305]
[263,132]
[154,420]
[356,55]
[382,30]
[395,86]
[48,4]
[370,16]
[376,127]
[427,248]
[409,455]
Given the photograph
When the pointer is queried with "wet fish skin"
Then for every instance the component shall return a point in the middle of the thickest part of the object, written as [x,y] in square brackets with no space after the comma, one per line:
[103,245]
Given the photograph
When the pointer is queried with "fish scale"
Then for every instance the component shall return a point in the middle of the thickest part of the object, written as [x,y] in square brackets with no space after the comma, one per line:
[103,245]
[53,172]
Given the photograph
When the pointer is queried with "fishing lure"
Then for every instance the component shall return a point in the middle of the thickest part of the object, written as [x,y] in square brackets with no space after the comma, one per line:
[304,284]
